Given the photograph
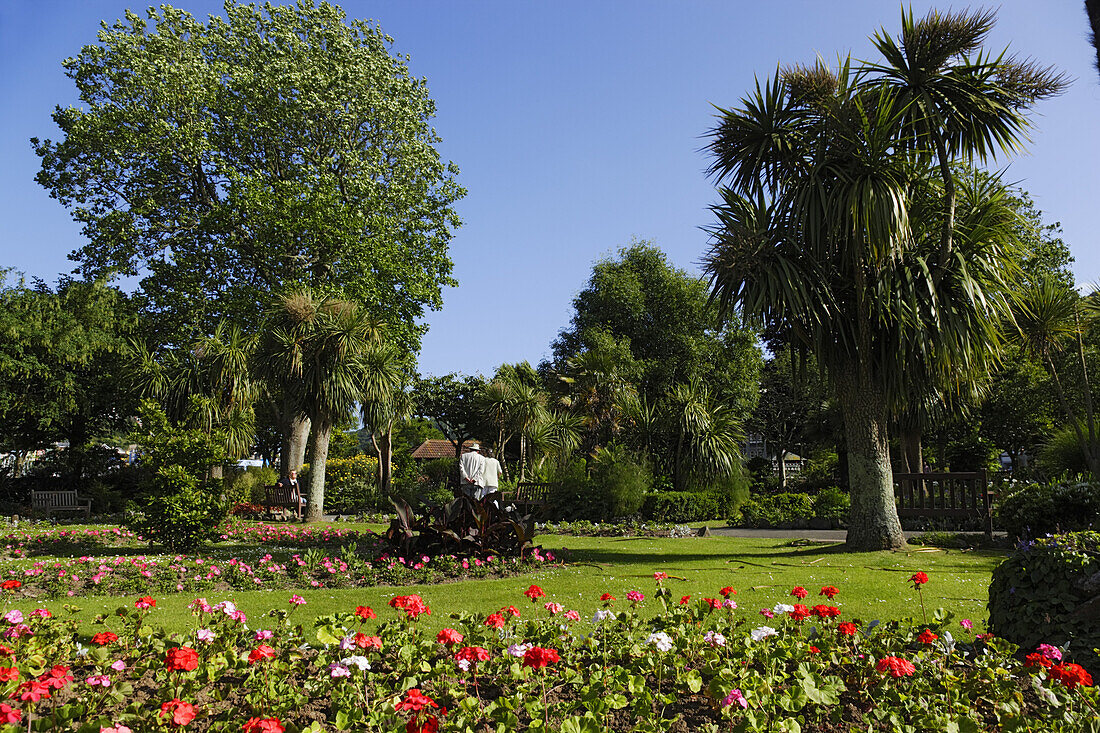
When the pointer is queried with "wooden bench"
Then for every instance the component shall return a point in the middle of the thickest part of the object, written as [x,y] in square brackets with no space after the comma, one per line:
[956,495]
[529,496]
[51,502]
[282,497]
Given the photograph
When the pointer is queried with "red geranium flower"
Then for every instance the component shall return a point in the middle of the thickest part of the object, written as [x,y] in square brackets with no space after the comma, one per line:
[822,611]
[605,597]
[427,724]
[714,603]
[1037,660]
[263,651]
[366,642]
[829,591]
[57,677]
[511,611]
[800,612]
[799,592]
[8,673]
[104,638]
[33,690]
[536,657]
[814,650]
[145,602]
[495,621]
[181,659]
[364,613]
[472,654]
[9,715]
[847,628]
[10,584]
[918,579]
[927,637]
[263,725]
[727,592]
[534,593]
[896,666]
[412,605]
[1071,675]
[182,712]
[415,701]
[659,576]
[449,637]
[684,600]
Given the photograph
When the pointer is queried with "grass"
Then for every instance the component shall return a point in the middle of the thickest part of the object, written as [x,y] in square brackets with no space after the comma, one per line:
[873,585]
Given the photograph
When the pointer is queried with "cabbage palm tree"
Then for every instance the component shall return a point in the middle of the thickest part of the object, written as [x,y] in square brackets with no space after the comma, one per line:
[322,345]
[822,170]
[1049,316]
[386,401]
[707,434]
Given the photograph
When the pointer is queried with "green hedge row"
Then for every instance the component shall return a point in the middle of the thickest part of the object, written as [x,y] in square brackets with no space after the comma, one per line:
[689,506]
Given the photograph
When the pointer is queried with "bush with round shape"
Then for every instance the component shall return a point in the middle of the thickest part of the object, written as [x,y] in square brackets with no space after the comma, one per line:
[1048,592]
[832,503]
[180,517]
[1036,510]
[777,510]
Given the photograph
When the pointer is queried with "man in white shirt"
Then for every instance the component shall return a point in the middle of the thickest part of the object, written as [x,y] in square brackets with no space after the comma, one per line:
[471,468]
[490,474]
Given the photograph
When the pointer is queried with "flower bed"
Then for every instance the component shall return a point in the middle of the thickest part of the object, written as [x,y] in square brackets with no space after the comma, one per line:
[584,528]
[204,574]
[696,665]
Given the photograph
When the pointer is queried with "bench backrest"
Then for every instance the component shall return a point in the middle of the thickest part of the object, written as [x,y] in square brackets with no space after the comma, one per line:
[53,499]
[533,491]
[280,495]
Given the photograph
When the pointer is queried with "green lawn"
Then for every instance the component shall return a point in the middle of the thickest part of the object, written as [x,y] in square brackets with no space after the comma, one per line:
[872,585]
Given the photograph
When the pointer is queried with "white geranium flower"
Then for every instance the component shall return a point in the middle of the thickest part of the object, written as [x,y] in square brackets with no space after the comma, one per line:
[780,609]
[661,640]
[714,638]
[762,632]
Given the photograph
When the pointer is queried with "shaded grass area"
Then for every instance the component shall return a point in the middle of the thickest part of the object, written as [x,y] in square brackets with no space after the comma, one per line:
[872,585]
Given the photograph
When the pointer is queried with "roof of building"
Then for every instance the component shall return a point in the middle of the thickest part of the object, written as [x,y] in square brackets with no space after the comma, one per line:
[436,448]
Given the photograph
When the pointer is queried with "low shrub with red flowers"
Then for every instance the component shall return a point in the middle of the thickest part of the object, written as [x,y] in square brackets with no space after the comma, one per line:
[342,671]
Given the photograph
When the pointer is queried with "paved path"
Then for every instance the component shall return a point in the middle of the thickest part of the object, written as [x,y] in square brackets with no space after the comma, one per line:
[816,535]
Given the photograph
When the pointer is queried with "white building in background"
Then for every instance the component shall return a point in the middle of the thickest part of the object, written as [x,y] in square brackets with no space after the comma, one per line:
[756,447]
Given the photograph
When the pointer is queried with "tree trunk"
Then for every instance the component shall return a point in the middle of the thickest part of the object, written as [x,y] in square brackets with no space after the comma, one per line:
[321,435]
[873,523]
[385,456]
[782,469]
[912,457]
[299,435]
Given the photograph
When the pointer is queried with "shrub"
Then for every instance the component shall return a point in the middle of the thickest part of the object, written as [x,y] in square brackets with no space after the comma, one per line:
[688,506]
[1034,510]
[572,496]
[176,473]
[1062,454]
[1047,592]
[351,484]
[620,481]
[180,517]
[832,503]
[247,486]
[776,510]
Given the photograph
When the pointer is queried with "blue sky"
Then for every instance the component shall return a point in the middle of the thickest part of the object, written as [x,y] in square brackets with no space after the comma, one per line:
[577,127]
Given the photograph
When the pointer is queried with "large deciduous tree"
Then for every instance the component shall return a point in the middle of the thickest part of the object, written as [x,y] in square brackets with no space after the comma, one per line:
[60,353]
[223,161]
[817,236]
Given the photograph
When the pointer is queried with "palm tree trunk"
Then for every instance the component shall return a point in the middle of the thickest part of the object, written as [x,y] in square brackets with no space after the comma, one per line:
[782,468]
[873,523]
[321,435]
[385,456]
[292,453]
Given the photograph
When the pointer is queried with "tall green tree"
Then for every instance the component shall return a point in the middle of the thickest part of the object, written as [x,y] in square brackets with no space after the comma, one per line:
[452,402]
[791,402]
[816,239]
[224,161]
[672,332]
[60,351]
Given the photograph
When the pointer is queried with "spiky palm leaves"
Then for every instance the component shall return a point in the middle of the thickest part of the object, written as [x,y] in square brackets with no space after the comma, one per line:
[817,234]
[325,351]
